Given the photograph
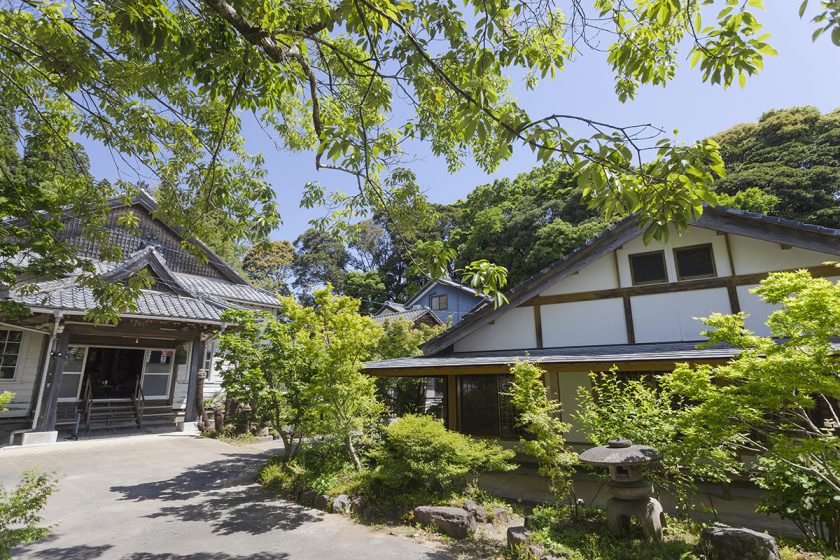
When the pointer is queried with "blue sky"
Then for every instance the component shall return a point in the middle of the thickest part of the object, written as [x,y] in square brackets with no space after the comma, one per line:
[804,73]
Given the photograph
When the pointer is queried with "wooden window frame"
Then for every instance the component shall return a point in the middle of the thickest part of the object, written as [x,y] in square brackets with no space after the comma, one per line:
[680,276]
[439,297]
[661,253]
[3,342]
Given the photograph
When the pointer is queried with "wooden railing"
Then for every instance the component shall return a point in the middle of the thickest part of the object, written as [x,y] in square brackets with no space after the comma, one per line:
[138,399]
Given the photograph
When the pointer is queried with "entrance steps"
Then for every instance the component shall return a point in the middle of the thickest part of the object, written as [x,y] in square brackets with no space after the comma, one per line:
[114,415]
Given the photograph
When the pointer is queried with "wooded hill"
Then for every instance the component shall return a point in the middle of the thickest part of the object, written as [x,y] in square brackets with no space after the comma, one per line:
[786,164]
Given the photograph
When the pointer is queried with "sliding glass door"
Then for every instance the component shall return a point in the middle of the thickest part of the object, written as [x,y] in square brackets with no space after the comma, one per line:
[157,373]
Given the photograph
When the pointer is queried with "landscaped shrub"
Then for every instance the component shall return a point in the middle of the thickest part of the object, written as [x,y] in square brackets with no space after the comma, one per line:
[20,511]
[320,466]
[539,416]
[418,455]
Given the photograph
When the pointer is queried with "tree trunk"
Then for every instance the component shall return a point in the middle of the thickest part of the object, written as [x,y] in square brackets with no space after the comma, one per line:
[219,417]
[201,412]
[348,444]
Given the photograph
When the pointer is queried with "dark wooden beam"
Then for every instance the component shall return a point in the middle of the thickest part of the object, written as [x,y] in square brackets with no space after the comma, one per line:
[628,320]
[734,302]
[452,402]
[46,422]
[196,363]
[538,326]
[671,287]
[120,331]
[451,371]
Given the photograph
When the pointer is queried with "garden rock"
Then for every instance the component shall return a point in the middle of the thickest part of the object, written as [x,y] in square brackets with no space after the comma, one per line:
[342,504]
[455,522]
[357,505]
[476,510]
[564,556]
[518,537]
[320,501]
[500,515]
[732,543]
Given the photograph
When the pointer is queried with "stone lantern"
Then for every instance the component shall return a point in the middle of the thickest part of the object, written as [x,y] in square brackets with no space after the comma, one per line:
[631,494]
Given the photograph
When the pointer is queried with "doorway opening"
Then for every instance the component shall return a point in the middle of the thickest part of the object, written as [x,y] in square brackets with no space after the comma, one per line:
[113,373]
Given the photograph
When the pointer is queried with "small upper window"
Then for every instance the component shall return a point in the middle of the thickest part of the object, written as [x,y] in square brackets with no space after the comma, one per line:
[648,268]
[9,352]
[694,262]
[440,303]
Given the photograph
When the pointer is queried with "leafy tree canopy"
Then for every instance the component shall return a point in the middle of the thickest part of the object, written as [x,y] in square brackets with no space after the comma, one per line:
[164,86]
[321,259]
[792,154]
[269,265]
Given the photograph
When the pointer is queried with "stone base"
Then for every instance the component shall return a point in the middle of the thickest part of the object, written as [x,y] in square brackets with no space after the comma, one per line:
[187,427]
[648,511]
[38,438]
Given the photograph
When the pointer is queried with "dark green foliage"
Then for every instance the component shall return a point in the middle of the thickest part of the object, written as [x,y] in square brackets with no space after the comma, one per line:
[321,259]
[418,455]
[368,288]
[793,154]
[20,511]
[526,223]
[269,265]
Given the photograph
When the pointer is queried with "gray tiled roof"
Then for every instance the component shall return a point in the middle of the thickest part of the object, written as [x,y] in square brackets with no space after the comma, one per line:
[191,297]
[407,315]
[65,295]
[668,351]
[228,290]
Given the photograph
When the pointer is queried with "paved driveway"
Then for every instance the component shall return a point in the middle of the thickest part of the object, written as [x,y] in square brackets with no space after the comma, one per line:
[180,497]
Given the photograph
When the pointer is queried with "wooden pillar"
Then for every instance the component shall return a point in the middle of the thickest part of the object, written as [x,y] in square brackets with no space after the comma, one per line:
[196,363]
[58,355]
[452,401]
[538,325]
[628,321]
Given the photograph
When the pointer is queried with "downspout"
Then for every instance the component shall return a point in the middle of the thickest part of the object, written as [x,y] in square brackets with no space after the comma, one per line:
[57,321]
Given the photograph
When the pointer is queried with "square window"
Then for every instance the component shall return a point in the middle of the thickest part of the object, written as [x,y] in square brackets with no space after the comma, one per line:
[695,262]
[440,303]
[7,372]
[648,268]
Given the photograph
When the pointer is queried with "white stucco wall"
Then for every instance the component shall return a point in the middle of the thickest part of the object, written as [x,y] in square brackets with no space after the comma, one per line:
[600,275]
[672,317]
[756,310]
[23,384]
[513,330]
[753,255]
[584,323]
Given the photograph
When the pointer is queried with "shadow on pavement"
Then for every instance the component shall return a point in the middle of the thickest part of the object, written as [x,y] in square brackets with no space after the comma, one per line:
[223,494]
[81,552]
[207,556]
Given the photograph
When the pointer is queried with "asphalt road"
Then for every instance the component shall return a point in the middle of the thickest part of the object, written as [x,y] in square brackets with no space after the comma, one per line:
[181,497]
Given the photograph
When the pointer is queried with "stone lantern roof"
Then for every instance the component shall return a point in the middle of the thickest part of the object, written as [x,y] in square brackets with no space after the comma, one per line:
[620,452]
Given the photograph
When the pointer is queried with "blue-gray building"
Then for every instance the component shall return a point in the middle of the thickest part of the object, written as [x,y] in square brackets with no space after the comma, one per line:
[447,299]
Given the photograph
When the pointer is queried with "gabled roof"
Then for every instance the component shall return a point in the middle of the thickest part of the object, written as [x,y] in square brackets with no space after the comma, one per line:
[444,282]
[390,307]
[182,297]
[145,200]
[408,315]
[738,222]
